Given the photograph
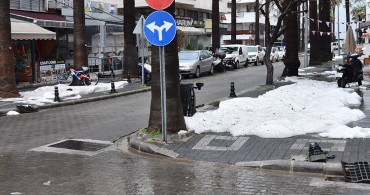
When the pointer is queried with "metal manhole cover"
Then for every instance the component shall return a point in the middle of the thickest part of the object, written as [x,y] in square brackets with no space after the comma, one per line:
[76,146]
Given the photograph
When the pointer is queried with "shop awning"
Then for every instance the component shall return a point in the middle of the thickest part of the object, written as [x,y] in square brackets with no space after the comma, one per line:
[42,19]
[189,30]
[22,30]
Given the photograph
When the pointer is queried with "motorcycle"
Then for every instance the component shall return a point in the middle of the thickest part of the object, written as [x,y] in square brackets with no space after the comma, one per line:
[350,71]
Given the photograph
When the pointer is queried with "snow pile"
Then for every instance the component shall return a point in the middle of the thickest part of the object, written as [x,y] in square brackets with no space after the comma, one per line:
[46,94]
[304,107]
[12,113]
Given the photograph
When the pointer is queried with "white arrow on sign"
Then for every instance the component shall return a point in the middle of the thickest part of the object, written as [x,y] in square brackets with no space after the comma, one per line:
[152,27]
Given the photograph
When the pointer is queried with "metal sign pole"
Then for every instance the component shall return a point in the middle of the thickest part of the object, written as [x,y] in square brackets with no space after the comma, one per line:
[142,48]
[163,92]
[306,37]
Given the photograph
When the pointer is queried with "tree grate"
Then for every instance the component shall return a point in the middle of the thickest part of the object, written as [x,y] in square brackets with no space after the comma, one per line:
[356,172]
[80,145]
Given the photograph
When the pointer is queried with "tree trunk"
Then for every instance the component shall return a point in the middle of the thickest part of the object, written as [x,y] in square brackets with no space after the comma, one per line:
[347,14]
[257,23]
[130,53]
[303,27]
[314,44]
[175,115]
[333,23]
[8,87]
[267,24]
[324,40]
[215,25]
[291,61]
[233,22]
[79,39]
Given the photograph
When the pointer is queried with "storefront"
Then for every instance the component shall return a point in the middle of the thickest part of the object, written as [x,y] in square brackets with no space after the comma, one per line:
[28,41]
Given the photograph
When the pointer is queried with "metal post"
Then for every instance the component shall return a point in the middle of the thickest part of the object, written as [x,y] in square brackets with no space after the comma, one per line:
[338,32]
[142,39]
[163,92]
[306,37]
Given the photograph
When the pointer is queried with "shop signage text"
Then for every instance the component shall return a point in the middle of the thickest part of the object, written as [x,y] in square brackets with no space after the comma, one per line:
[183,21]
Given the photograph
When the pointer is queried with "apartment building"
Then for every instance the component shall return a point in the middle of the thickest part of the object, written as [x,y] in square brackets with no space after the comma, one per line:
[245,22]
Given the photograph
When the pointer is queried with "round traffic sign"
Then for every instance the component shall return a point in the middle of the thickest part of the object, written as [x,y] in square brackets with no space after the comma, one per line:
[160,28]
[159,4]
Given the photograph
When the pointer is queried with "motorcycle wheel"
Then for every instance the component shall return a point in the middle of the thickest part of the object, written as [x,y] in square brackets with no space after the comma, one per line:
[359,82]
[343,83]
[339,82]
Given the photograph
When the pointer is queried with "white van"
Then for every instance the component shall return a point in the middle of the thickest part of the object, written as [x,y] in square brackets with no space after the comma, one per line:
[235,55]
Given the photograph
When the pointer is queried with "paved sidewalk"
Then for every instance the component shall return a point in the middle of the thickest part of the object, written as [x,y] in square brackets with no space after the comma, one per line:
[130,88]
[290,154]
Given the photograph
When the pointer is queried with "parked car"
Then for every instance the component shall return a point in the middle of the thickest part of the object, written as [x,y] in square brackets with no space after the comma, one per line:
[281,52]
[235,55]
[255,54]
[273,54]
[195,62]
[274,57]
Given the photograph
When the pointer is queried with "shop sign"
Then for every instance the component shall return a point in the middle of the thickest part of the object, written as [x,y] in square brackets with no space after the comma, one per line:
[52,65]
[51,24]
[68,3]
[183,21]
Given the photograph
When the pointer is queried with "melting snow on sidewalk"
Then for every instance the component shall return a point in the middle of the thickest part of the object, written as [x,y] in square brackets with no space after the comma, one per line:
[306,106]
[45,94]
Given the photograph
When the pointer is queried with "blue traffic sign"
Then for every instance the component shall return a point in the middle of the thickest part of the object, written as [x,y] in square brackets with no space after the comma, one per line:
[160,28]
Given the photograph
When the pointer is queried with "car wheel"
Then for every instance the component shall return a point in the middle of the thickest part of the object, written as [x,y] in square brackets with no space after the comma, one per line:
[256,63]
[236,66]
[262,62]
[211,71]
[197,72]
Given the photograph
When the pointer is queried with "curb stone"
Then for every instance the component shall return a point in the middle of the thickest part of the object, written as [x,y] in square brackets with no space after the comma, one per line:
[3,112]
[145,143]
[295,166]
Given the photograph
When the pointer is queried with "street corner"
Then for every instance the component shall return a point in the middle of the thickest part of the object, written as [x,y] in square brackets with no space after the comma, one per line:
[153,144]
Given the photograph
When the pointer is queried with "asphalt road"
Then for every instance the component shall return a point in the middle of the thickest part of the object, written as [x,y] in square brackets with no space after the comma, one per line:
[120,172]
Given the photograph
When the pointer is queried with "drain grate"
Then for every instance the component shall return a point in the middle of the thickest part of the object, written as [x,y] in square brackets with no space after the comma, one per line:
[356,172]
[77,146]
[80,145]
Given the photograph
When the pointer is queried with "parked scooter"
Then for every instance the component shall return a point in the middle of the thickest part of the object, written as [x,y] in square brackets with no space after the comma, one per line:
[219,62]
[350,71]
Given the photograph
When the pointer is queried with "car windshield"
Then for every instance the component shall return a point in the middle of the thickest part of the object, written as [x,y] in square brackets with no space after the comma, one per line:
[188,55]
[252,49]
[228,50]
[280,48]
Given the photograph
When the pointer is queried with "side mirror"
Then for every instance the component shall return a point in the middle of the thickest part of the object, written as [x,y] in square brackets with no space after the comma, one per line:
[199,85]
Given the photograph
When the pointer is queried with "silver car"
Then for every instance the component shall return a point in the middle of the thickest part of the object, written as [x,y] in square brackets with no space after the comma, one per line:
[195,62]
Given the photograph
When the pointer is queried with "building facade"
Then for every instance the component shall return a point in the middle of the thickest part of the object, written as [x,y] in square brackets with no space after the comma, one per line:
[245,22]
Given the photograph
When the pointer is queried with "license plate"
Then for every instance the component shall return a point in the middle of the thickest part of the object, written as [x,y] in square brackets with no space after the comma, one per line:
[339,74]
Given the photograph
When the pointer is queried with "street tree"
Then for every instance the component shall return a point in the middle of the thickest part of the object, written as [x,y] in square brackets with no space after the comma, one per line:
[277,32]
[347,13]
[215,25]
[233,21]
[324,39]
[79,38]
[334,4]
[257,23]
[267,22]
[314,38]
[291,60]
[8,87]
[130,52]
[175,116]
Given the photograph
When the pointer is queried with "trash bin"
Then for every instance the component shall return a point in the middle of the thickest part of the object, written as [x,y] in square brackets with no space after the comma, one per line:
[188,99]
